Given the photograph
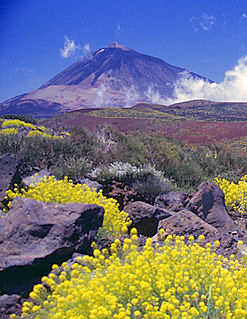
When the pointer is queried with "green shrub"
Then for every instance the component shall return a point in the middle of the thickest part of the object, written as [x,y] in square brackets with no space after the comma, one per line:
[146,180]
[73,168]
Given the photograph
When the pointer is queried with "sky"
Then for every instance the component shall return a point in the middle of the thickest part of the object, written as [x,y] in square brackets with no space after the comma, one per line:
[40,38]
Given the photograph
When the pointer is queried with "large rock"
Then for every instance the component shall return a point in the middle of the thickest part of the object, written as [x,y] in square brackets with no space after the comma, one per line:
[208,202]
[145,217]
[34,235]
[174,201]
[9,173]
[186,223]
[10,304]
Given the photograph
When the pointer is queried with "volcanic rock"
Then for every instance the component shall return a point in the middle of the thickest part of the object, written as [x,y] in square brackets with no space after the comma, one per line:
[208,203]
[10,304]
[122,193]
[34,235]
[9,173]
[145,217]
[186,223]
[174,201]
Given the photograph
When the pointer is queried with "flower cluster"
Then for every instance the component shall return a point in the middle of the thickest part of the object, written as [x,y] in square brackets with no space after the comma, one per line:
[9,131]
[17,123]
[13,127]
[122,171]
[40,133]
[64,191]
[235,193]
[172,280]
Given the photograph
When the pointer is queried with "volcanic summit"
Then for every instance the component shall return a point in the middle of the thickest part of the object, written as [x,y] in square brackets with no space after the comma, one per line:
[115,76]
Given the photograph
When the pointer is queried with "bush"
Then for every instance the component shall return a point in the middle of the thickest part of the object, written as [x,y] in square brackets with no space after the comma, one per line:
[150,186]
[74,168]
[173,280]
[146,180]
[235,193]
[52,191]
[25,118]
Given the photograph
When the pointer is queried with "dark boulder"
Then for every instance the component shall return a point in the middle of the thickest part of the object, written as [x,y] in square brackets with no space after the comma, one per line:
[186,223]
[34,235]
[208,203]
[145,217]
[9,173]
[174,201]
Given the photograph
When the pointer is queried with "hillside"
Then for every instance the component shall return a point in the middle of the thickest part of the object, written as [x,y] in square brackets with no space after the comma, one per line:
[192,121]
[114,76]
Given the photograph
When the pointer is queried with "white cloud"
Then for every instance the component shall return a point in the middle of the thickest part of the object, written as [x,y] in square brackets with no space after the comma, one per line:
[154,96]
[131,96]
[102,99]
[204,22]
[69,48]
[86,48]
[232,89]
[244,16]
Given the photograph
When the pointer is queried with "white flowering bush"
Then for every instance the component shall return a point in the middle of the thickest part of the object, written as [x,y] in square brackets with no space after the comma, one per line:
[124,172]
[145,179]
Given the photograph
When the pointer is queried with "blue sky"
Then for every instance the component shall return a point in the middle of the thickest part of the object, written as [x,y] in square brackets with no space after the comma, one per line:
[206,37]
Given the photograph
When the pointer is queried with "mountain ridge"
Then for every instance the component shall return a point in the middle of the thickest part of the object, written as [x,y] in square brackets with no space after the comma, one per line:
[114,76]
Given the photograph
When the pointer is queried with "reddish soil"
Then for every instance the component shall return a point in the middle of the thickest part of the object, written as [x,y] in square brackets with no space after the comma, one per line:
[190,132]
[206,132]
[92,123]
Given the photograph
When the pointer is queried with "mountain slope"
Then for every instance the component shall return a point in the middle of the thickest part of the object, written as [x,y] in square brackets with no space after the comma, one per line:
[114,76]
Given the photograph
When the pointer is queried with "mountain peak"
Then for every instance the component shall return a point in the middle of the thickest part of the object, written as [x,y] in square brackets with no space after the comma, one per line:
[112,76]
[117,45]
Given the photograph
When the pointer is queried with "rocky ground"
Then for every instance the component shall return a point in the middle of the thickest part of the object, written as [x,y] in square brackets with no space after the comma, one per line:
[34,235]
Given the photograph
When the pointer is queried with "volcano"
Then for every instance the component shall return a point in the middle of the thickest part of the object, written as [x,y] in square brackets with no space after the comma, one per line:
[115,76]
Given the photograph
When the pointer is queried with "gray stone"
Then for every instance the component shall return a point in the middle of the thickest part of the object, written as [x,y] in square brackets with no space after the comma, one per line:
[208,203]
[186,223]
[9,173]
[174,201]
[34,235]
[10,304]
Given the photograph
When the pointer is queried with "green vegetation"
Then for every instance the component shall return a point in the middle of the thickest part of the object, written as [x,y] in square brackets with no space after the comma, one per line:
[82,151]
[155,116]
[174,279]
[25,118]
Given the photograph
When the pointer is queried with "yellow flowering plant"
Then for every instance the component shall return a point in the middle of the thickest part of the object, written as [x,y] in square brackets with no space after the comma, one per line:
[40,133]
[17,123]
[235,193]
[161,281]
[9,131]
[10,127]
[64,191]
